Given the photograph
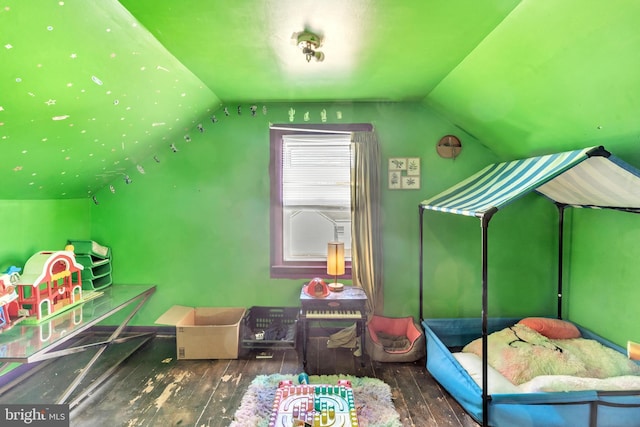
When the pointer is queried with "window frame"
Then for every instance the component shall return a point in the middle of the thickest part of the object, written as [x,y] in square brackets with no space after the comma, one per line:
[279,268]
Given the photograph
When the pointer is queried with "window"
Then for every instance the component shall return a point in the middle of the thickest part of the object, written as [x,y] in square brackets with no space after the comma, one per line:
[316,195]
[310,197]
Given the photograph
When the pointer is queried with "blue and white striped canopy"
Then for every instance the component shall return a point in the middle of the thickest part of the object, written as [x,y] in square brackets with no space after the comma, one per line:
[590,177]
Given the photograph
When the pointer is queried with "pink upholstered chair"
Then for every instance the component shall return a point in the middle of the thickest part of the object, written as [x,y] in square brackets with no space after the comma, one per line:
[395,339]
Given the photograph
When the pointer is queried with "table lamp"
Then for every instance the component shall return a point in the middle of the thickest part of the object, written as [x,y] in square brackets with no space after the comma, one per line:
[335,264]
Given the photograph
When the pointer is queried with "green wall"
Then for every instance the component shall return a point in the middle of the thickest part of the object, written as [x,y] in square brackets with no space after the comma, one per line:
[602,284]
[31,226]
[196,223]
[522,269]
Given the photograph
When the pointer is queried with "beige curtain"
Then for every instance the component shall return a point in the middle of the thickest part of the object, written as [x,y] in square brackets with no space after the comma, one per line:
[366,238]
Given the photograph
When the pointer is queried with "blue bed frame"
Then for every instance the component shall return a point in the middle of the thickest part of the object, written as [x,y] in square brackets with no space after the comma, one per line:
[560,409]
[482,195]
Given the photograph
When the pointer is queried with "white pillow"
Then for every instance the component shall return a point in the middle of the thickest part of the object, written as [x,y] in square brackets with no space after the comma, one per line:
[496,382]
[551,383]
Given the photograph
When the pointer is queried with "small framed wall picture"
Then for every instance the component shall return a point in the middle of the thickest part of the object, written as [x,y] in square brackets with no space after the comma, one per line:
[413,166]
[404,173]
[397,164]
[395,180]
[411,182]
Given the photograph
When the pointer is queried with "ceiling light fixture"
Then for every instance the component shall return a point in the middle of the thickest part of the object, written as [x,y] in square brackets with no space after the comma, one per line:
[309,43]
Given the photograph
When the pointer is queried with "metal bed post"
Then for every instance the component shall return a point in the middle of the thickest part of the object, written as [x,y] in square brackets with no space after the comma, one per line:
[421,255]
[561,208]
[484,224]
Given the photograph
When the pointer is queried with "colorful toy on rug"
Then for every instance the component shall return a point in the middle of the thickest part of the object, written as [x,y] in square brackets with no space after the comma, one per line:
[313,405]
[8,297]
[49,286]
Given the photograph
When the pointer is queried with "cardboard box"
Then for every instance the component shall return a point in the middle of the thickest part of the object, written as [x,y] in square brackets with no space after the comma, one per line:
[205,332]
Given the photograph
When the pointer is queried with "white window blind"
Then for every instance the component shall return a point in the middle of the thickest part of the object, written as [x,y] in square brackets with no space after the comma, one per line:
[316,170]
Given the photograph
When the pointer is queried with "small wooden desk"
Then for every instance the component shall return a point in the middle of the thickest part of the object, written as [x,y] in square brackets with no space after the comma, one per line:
[28,343]
[331,308]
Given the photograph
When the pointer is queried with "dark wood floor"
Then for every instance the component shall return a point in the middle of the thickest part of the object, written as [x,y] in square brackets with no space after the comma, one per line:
[152,388]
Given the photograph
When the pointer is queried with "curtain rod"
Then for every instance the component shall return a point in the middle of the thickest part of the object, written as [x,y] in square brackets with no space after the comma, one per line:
[311,130]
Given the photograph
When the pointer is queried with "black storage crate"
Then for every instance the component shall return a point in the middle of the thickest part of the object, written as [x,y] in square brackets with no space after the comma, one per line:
[270,327]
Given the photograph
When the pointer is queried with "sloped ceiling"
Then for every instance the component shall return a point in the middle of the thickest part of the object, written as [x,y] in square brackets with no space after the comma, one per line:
[553,76]
[86,93]
[89,89]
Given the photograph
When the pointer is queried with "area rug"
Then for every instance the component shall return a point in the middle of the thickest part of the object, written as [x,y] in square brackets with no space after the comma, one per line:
[372,398]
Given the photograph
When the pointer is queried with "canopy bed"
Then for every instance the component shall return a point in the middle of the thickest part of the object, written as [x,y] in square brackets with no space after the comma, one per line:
[491,392]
